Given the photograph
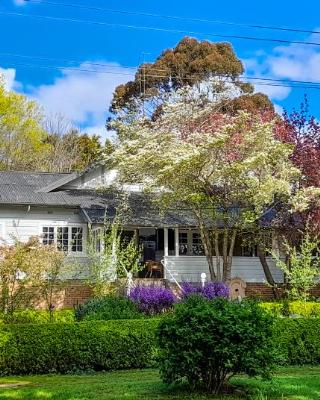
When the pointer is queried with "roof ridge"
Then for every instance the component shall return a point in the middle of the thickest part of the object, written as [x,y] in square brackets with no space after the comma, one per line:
[35,172]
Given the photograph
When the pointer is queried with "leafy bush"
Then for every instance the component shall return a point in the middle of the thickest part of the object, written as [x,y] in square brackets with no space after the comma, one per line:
[286,308]
[211,290]
[206,342]
[152,300]
[62,348]
[107,308]
[36,317]
[297,340]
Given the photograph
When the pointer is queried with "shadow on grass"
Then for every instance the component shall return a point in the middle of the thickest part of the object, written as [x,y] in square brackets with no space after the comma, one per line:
[294,384]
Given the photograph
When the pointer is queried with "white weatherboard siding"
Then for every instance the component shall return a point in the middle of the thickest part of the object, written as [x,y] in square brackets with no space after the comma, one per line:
[189,269]
[22,223]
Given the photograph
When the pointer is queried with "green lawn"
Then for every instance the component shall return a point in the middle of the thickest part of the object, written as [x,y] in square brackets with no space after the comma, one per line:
[288,384]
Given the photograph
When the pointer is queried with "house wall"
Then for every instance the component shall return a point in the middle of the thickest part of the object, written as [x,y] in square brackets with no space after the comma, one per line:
[189,269]
[22,223]
[96,178]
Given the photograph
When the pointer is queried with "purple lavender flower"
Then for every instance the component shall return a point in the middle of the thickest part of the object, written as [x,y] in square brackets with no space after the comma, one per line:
[152,299]
[210,291]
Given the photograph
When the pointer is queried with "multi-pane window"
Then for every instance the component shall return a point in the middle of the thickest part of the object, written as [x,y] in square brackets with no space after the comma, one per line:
[48,235]
[76,239]
[197,246]
[183,243]
[65,238]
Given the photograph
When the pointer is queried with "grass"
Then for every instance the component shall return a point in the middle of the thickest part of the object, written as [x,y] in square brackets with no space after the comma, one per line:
[289,384]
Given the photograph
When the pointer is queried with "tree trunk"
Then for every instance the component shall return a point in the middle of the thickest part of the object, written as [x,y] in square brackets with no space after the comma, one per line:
[217,255]
[228,254]
[208,250]
[266,269]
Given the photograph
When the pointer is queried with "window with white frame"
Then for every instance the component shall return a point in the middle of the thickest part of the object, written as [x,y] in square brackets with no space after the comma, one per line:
[48,235]
[66,238]
[76,239]
[197,246]
[183,243]
[63,238]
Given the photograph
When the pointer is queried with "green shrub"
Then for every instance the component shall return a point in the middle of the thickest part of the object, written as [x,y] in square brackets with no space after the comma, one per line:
[297,340]
[62,348]
[36,317]
[285,308]
[107,308]
[206,342]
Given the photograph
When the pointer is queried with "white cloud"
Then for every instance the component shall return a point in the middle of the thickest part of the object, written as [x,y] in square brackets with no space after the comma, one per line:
[9,75]
[292,62]
[83,97]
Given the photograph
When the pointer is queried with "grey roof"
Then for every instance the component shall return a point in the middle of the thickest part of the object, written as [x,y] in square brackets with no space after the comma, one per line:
[27,188]
[60,182]
[98,206]
[139,210]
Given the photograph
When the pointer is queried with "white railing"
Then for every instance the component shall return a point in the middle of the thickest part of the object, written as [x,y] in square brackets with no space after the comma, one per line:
[163,262]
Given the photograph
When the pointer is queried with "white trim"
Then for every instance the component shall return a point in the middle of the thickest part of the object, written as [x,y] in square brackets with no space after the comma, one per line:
[2,233]
[166,242]
[176,241]
[64,224]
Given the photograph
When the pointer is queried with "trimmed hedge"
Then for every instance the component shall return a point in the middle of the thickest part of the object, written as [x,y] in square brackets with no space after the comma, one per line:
[84,346]
[297,340]
[106,309]
[123,344]
[285,308]
[37,317]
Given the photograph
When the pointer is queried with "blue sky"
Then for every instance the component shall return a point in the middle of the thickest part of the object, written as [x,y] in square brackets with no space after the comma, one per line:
[84,96]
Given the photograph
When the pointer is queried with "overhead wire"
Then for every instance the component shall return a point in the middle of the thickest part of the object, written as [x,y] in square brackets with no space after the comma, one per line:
[159,29]
[260,80]
[172,17]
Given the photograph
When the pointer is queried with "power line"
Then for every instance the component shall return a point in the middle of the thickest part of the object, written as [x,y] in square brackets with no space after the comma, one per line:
[155,29]
[135,68]
[260,80]
[173,17]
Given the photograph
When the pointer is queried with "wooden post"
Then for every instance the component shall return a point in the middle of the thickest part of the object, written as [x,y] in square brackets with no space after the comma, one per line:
[176,241]
[166,242]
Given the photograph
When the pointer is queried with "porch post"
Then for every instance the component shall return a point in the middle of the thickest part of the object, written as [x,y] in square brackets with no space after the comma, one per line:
[166,242]
[176,241]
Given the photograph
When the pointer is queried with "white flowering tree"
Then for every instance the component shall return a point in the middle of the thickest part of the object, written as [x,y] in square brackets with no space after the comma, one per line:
[224,169]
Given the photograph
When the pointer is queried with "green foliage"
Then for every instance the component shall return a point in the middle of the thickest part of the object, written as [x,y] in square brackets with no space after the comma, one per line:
[302,308]
[69,149]
[28,271]
[62,348]
[192,63]
[107,308]
[37,317]
[112,258]
[22,137]
[96,345]
[208,162]
[297,340]
[303,267]
[206,342]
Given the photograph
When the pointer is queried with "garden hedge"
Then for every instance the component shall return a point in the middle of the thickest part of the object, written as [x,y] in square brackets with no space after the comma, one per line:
[51,348]
[123,344]
[286,308]
[297,340]
[36,316]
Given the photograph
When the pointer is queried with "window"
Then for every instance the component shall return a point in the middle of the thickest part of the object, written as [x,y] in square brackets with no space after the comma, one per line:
[48,235]
[183,243]
[65,238]
[76,237]
[62,238]
[197,246]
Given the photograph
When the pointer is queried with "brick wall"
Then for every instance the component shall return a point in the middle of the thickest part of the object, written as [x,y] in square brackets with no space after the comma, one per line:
[77,292]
